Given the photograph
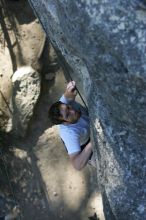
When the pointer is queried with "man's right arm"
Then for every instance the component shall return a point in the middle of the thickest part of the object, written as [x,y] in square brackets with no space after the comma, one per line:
[80,159]
[70,92]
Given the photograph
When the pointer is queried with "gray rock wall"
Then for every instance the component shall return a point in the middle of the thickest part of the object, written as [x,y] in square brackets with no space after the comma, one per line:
[104,45]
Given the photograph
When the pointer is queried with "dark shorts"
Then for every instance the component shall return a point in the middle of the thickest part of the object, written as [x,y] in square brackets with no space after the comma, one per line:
[82,147]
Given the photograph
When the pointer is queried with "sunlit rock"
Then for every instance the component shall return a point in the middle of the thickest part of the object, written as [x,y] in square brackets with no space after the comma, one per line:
[26,91]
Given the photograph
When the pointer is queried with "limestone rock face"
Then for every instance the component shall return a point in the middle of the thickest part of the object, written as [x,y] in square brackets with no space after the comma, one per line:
[103,44]
[26,91]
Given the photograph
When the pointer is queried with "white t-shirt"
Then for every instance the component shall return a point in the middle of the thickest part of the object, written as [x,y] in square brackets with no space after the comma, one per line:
[77,134]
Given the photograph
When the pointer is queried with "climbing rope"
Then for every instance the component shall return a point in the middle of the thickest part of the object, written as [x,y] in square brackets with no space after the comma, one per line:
[69,78]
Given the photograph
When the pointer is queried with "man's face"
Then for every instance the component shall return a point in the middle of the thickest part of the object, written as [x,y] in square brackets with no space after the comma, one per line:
[69,115]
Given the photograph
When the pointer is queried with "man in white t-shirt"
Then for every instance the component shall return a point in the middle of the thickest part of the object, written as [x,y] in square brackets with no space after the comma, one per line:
[74,126]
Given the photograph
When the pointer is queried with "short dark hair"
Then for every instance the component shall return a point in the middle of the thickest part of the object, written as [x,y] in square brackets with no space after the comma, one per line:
[54,113]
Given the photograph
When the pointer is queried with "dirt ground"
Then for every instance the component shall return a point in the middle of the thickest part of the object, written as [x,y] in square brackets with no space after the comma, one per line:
[36,174]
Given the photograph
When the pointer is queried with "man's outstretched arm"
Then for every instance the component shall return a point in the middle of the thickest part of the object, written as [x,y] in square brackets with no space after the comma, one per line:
[71,92]
[79,160]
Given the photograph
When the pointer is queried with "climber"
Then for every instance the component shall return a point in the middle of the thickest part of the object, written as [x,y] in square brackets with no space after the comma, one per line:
[74,126]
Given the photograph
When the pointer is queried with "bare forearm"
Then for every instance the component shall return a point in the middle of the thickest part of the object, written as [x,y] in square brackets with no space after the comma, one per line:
[81,159]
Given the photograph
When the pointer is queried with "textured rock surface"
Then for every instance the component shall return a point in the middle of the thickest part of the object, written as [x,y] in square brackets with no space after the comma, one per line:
[104,43]
[26,90]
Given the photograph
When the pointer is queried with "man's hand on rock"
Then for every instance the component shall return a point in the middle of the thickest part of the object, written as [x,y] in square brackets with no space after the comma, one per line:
[71,91]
